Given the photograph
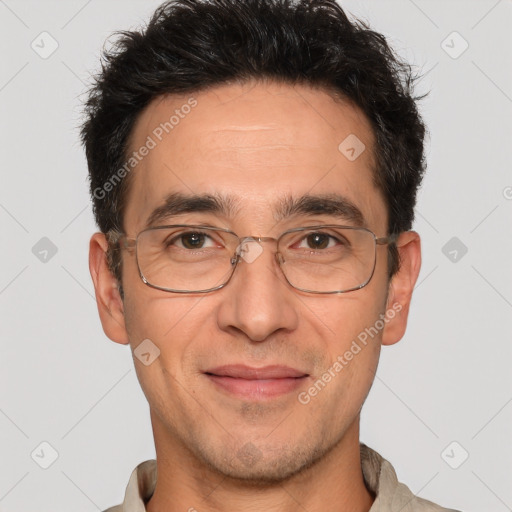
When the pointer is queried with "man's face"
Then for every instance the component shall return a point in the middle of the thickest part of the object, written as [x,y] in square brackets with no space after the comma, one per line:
[258,143]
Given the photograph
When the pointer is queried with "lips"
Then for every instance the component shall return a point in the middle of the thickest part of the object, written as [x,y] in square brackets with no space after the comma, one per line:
[256,383]
[240,371]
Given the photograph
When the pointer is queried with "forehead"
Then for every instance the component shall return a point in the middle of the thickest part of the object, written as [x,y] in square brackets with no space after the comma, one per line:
[258,144]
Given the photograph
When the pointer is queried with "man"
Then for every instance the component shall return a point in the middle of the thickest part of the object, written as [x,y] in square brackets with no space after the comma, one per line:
[254,167]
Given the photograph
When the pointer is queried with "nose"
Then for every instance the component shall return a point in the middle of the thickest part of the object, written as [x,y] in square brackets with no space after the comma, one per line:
[257,300]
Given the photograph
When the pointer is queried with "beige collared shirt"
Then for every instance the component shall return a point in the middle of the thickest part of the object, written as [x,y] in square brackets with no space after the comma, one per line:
[378,473]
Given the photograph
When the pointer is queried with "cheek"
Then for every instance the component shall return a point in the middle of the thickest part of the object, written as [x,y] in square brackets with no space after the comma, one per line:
[164,328]
[149,313]
[345,317]
[352,328]
[173,323]
[168,320]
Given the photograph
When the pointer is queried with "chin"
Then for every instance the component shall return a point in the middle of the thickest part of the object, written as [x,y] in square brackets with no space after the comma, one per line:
[252,466]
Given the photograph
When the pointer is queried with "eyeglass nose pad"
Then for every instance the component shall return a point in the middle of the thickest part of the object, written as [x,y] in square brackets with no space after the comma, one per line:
[237,255]
[279,258]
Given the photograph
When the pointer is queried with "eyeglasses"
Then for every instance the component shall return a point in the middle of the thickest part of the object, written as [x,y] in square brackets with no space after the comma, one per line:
[186,258]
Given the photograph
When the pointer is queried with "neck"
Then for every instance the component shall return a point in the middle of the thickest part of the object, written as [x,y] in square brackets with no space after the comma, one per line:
[334,483]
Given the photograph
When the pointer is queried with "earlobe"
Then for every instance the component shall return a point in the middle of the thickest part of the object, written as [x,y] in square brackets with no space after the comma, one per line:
[401,287]
[108,299]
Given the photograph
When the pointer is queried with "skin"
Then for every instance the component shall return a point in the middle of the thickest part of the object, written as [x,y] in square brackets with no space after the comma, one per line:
[216,451]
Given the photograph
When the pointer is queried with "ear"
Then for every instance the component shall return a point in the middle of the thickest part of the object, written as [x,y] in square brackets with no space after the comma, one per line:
[401,287]
[108,299]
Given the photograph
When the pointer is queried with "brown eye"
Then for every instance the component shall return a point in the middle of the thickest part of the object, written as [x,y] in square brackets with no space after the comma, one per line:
[193,240]
[318,241]
[189,240]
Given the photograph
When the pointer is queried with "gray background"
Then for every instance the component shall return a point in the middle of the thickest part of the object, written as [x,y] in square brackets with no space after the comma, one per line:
[63,382]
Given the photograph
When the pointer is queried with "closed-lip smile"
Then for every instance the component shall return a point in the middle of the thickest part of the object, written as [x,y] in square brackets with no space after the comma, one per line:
[256,383]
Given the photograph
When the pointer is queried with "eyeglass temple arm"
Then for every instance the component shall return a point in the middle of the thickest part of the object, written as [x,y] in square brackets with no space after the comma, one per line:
[115,237]
[387,239]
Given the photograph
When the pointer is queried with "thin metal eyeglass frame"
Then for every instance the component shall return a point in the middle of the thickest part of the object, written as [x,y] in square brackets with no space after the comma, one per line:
[115,237]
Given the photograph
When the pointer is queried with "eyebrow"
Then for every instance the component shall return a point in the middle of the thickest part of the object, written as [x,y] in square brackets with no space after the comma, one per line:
[332,205]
